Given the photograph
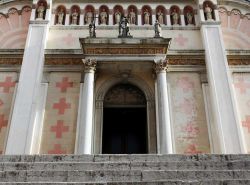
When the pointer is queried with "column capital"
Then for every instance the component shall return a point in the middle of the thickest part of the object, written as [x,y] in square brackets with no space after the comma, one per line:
[89,65]
[161,66]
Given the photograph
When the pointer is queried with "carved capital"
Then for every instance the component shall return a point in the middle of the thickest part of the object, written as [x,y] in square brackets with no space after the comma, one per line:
[89,65]
[160,66]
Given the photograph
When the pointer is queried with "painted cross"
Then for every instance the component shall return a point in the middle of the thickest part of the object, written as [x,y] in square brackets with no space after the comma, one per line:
[192,129]
[185,83]
[247,123]
[180,40]
[7,84]
[61,106]
[69,39]
[59,128]
[192,149]
[57,150]
[242,85]
[187,106]
[3,122]
[64,85]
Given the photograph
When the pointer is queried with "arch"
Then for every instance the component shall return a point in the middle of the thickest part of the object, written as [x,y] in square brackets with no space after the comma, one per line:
[175,13]
[74,15]
[89,14]
[41,8]
[161,12]
[103,15]
[210,5]
[223,16]
[13,17]
[60,10]
[25,15]
[146,14]
[189,15]
[117,12]
[132,14]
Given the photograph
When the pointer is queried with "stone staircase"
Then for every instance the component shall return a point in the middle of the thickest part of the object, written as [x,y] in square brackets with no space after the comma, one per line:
[126,169]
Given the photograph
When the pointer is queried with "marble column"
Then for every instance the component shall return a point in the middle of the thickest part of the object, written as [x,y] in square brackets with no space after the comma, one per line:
[163,114]
[85,120]
[23,128]
[220,83]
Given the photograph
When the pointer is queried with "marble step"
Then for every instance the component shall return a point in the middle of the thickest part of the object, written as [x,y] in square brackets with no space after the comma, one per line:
[184,165]
[122,158]
[122,175]
[170,182]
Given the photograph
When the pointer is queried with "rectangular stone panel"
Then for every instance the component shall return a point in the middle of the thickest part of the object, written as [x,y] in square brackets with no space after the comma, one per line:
[59,128]
[188,118]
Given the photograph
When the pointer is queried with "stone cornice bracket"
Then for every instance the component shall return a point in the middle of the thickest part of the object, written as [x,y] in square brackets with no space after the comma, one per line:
[89,65]
[161,66]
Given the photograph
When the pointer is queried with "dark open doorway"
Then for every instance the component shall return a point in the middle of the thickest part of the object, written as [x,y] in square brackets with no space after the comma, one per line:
[124,121]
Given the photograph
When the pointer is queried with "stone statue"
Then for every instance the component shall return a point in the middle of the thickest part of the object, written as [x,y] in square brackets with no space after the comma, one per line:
[208,12]
[40,11]
[189,17]
[175,17]
[157,28]
[92,28]
[124,28]
[117,17]
[146,17]
[132,17]
[74,17]
[60,16]
[160,17]
[103,17]
[89,17]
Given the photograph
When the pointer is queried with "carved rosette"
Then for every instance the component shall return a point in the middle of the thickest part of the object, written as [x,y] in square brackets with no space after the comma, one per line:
[89,65]
[160,66]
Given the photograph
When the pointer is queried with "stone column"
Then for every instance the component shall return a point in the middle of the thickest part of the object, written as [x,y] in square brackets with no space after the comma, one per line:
[220,83]
[22,131]
[85,120]
[164,126]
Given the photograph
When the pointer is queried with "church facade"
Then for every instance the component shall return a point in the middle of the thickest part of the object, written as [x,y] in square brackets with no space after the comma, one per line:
[173,79]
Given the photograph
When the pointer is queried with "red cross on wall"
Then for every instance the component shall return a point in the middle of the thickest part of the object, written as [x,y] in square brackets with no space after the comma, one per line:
[191,149]
[59,128]
[64,85]
[61,106]
[3,123]
[242,85]
[247,123]
[57,150]
[180,40]
[7,84]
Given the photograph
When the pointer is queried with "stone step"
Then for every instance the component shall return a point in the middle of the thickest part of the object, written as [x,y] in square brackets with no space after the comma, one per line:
[170,182]
[68,166]
[122,158]
[120,176]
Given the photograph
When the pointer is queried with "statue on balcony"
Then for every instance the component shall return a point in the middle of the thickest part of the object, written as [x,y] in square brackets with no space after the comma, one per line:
[157,28]
[124,28]
[208,12]
[74,17]
[60,16]
[92,28]
[40,11]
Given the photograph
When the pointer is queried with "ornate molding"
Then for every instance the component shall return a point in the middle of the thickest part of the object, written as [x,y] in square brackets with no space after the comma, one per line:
[89,65]
[186,61]
[63,61]
[10,61]
[238,61]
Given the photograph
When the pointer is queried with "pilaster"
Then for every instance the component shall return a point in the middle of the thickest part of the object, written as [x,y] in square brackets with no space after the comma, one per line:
[220,86]
[23,128]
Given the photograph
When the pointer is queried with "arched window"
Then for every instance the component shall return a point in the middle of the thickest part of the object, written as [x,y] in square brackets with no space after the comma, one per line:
[41,10]
[146,15]
[89,14]
[208,8]
[118,14]
[175,15]
[103,15]
[60,15]
[132,14]
[161,15]
[189,15]
[74,15]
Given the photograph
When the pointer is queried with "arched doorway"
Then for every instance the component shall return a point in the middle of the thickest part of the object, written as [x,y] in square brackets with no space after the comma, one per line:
[124,121]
